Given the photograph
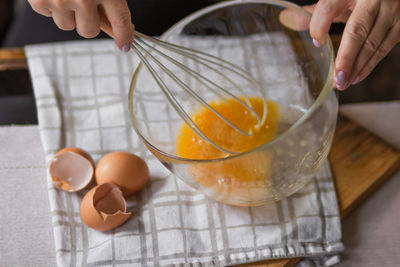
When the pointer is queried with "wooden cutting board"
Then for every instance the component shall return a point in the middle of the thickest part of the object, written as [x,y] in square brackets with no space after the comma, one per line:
[360,163]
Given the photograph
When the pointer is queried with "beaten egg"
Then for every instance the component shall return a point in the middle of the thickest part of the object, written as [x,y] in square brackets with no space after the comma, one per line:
[241,177]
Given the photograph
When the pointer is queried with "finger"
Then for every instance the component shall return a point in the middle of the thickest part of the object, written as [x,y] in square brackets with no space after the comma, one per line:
[340,17]
[324,14]
[87,20]
[41,7]
[117,12]
[295,19]
[391,39]
[65,20]
[310,8]
[355,33]
[380,28]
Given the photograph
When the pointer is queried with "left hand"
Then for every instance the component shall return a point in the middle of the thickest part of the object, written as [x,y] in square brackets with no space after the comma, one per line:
[372,30]
[84,15]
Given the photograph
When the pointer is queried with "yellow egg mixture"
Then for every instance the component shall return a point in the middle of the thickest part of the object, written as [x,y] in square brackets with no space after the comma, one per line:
[241,176]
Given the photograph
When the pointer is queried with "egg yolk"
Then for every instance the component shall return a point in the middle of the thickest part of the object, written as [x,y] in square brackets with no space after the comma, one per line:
[244,176]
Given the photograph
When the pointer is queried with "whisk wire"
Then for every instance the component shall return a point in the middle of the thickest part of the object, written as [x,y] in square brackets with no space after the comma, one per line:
[193,93]
[204,60]
[173,101]
[195,56]
[189,51]
[190,71]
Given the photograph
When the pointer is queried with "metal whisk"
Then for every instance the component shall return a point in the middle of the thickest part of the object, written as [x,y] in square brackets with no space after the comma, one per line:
[147,47]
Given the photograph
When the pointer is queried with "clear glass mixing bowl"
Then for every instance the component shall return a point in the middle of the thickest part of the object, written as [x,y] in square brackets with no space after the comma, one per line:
[270,39]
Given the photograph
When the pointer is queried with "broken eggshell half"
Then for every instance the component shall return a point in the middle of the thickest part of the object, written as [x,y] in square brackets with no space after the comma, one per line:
[71,169]
[104,208]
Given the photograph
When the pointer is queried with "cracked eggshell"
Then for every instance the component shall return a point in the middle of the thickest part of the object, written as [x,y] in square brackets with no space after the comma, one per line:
[71,169]
[104,208]
[124,169]
[79,151]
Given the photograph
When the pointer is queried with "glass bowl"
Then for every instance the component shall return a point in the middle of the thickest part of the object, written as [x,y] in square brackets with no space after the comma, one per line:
[270,39]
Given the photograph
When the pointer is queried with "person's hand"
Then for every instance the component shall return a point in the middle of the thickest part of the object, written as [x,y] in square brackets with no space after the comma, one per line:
[372,30]
[85,17]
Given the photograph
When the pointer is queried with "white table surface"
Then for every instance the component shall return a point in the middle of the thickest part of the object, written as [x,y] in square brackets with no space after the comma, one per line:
[371,232]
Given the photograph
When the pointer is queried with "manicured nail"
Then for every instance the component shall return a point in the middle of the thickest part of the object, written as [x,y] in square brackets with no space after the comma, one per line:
[340,78]
[340,87]
[356,80]
[126,48]
[316,43]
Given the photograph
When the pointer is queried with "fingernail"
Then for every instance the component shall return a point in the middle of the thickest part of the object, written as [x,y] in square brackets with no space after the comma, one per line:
[126,48]
[316,43]
[356,80]
[340,79]
[340,87]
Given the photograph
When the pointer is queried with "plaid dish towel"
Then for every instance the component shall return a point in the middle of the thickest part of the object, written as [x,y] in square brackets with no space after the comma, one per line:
[81,95]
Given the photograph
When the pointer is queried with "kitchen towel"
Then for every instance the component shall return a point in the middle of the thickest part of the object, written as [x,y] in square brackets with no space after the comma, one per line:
[81,93]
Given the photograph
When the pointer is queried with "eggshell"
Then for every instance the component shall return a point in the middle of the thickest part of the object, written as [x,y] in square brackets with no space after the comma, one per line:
[124,169]
[71,169]
[104,208]
[79,151]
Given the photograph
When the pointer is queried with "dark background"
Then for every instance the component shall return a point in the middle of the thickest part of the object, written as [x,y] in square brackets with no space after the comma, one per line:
[19,26]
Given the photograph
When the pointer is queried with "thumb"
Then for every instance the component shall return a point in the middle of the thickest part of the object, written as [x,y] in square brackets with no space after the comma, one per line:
[324,13]
[310,8]
[295,19]
[119,18]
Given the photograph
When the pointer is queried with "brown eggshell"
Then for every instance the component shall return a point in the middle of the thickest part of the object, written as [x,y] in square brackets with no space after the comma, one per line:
[124,169]
[104,208]
[79,151]
[71,169]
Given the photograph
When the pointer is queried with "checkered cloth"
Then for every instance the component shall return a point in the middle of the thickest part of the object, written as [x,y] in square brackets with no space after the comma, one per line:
[81,94]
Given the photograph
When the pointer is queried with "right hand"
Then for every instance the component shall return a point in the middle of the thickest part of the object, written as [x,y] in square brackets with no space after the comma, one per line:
[372,30]
[84,16]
